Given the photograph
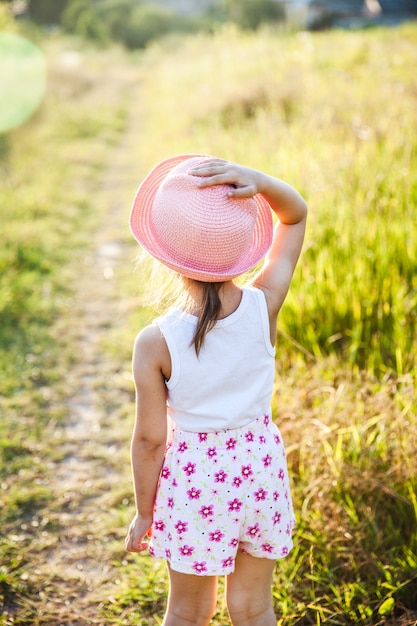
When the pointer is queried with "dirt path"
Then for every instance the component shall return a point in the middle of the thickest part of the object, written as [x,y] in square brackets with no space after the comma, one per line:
[76,566]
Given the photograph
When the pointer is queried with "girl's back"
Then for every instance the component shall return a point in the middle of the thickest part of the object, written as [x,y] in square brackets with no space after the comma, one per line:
[230,381]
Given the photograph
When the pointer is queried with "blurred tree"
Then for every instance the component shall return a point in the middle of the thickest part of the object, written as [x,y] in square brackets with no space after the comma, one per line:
[6,17]
[116,14]
[89,27]
[72,13]
[47,11]
[149,22]
[132,22]
[78,18]
[250,14]
[137,22]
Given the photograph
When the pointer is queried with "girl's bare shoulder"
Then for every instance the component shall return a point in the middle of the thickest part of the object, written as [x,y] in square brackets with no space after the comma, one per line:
[151,351]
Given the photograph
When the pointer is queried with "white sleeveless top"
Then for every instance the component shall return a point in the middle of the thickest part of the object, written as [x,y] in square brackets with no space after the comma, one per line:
[230,383]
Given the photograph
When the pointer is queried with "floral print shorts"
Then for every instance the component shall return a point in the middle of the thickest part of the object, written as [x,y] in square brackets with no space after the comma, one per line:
[220,492]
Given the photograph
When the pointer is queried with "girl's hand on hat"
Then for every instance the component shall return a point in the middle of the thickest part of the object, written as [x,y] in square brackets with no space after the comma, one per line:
[139,528]
[244,181]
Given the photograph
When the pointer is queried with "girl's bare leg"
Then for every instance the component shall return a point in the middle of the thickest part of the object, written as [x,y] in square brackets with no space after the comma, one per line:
[191,600]
[248,592]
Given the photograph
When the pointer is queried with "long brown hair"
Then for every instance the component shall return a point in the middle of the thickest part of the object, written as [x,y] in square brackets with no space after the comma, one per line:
[166,288]
[208,313]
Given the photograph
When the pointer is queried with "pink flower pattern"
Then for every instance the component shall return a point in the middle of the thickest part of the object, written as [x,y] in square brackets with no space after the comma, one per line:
[206,511]
[199,568]
[220,477]
[193,493]
[235,505]
[186,550]
[253,531]
[181,527]
[227,563]
[211,453]
[260,494]
[165,473]
[246,471]
[266,547]
[231,493]
[267,460]
[189,468]
[217,535]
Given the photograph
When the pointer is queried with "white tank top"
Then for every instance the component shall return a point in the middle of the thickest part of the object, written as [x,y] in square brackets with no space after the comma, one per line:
[230,383]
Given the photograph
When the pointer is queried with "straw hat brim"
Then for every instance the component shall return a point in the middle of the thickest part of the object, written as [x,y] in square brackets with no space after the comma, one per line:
[141,226]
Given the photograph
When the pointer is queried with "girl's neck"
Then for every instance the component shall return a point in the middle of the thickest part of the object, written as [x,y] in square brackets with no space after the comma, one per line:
[230,296]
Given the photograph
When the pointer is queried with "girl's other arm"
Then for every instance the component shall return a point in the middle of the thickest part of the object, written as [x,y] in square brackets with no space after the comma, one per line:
[150,431]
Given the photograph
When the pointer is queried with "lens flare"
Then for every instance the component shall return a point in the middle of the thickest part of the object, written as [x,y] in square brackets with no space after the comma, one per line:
[22,80]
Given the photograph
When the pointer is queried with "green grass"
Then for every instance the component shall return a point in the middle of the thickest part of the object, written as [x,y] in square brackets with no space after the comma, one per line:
[333,113]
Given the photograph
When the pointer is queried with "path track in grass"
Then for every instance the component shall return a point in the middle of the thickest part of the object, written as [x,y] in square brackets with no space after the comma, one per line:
[75,569]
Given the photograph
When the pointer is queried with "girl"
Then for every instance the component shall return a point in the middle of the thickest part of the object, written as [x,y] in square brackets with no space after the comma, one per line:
[210,477]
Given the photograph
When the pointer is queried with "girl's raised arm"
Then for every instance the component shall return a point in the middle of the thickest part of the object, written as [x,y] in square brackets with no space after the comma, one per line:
[276,273]
[275,276]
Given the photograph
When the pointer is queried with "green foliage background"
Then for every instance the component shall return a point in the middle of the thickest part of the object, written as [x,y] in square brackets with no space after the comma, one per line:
[135,23]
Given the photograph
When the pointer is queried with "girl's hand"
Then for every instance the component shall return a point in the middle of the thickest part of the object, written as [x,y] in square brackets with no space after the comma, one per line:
[244,181]
[139,529]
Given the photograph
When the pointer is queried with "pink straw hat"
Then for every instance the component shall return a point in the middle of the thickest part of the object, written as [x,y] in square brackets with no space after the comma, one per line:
[201,233]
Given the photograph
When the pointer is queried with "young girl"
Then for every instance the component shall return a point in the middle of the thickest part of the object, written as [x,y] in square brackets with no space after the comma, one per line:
[210,476]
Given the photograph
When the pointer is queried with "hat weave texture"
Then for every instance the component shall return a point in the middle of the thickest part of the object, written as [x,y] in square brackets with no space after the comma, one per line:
[201,233]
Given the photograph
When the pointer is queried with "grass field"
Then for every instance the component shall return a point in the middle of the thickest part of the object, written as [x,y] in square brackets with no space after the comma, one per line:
[334,114]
